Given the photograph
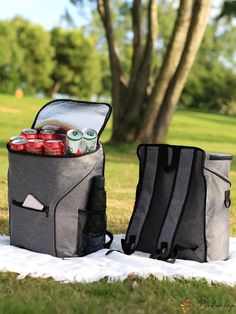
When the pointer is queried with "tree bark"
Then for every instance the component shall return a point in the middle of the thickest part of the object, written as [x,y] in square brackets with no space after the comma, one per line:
[117,72]
[130,99]
[168,68]
[139,81]
[196,31]
[55,88]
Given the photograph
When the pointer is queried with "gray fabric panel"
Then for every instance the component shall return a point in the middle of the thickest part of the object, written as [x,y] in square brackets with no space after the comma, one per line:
[178,198]
[217,215]
[191,230]
[32,230]
[49,179]
[144,200]
[54,176]
[66,214]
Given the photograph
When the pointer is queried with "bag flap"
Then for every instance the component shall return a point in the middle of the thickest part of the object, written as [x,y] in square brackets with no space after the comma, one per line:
[64,114]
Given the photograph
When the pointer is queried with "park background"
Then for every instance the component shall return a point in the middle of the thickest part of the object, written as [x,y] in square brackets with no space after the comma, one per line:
[65,54]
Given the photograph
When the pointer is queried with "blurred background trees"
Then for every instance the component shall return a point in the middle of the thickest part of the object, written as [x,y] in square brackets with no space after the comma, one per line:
[75,62]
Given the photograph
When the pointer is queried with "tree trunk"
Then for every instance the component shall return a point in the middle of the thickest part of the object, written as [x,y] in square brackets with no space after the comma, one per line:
[55,88]
[134,98]
[195,34]
[137,115]
[118,104]
[168,68]
[118,91]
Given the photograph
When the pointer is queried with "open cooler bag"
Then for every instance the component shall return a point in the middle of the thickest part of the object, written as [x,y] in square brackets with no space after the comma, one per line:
[61,183]
[182,204]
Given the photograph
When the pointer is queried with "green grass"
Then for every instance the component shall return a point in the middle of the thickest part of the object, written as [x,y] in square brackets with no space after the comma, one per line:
[209,131]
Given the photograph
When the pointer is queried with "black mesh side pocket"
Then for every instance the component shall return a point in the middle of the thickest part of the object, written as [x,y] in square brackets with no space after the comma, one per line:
[96,224]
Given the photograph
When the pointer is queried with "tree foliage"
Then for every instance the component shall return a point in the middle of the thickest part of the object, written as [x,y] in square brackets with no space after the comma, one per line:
[209,86]
[77,66]
[37,64]
[143,99]
[11,58]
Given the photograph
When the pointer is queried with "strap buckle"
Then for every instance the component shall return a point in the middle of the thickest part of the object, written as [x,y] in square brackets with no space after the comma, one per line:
[161,253]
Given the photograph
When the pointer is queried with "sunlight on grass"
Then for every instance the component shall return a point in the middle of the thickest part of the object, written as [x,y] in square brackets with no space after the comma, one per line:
[209,131]
[212,132]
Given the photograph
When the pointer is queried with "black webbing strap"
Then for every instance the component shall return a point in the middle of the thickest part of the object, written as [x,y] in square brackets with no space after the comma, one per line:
[150,157]
[176,205]
[108,244]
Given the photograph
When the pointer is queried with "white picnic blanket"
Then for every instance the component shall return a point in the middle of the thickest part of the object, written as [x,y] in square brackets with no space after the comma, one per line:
[115,266]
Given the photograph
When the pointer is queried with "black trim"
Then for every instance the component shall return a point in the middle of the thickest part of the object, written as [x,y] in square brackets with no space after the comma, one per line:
[220,157]
[205,201]
[218,175]
[170,145]
[78,102]
[104,160]
[20,204]
[141,173]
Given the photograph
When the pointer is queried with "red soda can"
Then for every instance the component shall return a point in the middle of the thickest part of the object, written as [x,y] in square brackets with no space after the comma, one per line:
[29,134]
[47,135]
[18,145]
[61,136]
[35,146]
[54,147]
[17,137]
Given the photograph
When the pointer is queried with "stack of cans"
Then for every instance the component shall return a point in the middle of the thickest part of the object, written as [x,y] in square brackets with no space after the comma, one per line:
[80,142]
[48,142]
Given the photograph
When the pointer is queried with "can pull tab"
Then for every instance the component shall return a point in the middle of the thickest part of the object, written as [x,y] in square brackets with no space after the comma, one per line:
[227,201]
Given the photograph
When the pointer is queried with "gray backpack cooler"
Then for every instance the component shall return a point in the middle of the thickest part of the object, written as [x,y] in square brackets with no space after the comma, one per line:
[61,183]
[182,204]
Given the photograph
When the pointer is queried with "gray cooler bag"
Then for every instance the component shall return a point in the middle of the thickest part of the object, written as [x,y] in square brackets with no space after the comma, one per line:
[61,183]
[182,204]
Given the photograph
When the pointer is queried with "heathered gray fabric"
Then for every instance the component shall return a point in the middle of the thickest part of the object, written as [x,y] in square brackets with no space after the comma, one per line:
[217,215]
[144,200]
[178,198]
[193,219]
[67,210]
[50,179]
[32,230]
[191,230]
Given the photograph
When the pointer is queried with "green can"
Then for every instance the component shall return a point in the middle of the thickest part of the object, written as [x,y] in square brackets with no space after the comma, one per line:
[75,142]
[90,140]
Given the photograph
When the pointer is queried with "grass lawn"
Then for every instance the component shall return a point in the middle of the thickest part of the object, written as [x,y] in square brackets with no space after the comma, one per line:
[216,133]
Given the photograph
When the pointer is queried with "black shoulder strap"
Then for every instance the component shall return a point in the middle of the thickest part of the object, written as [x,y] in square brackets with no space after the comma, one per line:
[176,205]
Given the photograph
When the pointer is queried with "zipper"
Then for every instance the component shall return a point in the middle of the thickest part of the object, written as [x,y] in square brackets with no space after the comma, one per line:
[20,204]
[218,175]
